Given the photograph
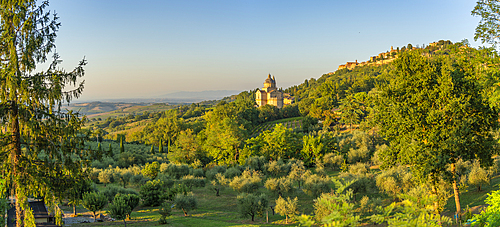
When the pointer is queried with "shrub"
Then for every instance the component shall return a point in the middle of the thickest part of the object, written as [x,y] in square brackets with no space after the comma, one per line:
[191,181]
[279,185]
[111,191]
[232,172]
[250,205]
[94,202]
[210,174]
[333,161]
[177,171]
[139,179]
[185,203]
[314,184]
[361,154]
[255,163]
[248,182]
[197,172]
[277,168]
[119,209]
[106,176]
[165,211]
[358,168]
[395,181]
[151,170]
[167,180]
[288,207]
[152,193]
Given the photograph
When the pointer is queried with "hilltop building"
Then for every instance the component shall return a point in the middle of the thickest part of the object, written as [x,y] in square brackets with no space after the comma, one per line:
[270,95]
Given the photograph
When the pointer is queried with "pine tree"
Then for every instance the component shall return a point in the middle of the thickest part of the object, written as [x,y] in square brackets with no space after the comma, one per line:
[30,106]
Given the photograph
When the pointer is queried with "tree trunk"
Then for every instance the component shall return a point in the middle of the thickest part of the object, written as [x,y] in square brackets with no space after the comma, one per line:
[185,213]
[74,209]
[286,219]
[94,217]
[253,216]
[217,191]
[124,222]
[456,192]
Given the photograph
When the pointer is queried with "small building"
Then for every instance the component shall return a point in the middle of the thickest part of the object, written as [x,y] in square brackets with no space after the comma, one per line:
[269,95]
[40,213]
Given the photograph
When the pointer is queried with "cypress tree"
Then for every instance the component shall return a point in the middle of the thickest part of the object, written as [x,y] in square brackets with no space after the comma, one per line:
[122,148]
[152,149]
[99,148]
[110,151]
[160,148]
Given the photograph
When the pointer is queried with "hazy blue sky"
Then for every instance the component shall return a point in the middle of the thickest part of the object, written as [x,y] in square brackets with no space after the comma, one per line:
[150,48]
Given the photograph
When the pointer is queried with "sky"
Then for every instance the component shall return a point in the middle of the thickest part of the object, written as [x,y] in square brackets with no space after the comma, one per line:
[146,49]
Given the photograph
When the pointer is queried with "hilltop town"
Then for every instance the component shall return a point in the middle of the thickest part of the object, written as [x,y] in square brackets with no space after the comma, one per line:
[388,56]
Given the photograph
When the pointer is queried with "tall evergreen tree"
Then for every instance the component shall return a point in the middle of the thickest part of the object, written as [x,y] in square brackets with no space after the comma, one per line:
[122,148]
[160,147]
[40,152]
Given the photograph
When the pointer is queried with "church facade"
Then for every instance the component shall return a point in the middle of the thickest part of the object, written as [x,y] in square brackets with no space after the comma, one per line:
[269,95]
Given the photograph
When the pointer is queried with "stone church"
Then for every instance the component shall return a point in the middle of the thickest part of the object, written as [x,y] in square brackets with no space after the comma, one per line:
[269,94]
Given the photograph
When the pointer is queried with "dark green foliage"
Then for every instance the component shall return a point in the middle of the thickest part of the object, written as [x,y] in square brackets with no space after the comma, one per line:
[165,211]
[314,184]
[255,163]
[160,146]
[185,203]
[192,181]
[139,179]
[152,193]
[122,148]
[112,190]
[126,159]
[210,174]
[94,202]
[176,189]
[119,209]
[232,172]
[177,171]
[167,180]
[197,172]
[251,205]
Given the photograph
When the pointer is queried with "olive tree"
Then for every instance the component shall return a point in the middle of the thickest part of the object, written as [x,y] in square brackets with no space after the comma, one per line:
[94,202]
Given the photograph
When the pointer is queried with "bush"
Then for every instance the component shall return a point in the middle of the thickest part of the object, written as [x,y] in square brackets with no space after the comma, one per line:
[139,179]
[185,203]
[210,174]
[165,211]
[333,161]
[358,155]
[232,172]
[279,185]
[314,184]
[111,191]
[119,209]
[248,182]
[277,168]
[177,171]
[395,181]
[152,193]
[191,181]
[151,170]
[168,182]
[256,163]
[250,205]
[358,168]
[106,176]
[197,172]
[94,202]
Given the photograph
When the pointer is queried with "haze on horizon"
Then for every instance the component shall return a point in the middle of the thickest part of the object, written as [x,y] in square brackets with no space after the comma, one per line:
[139,49]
